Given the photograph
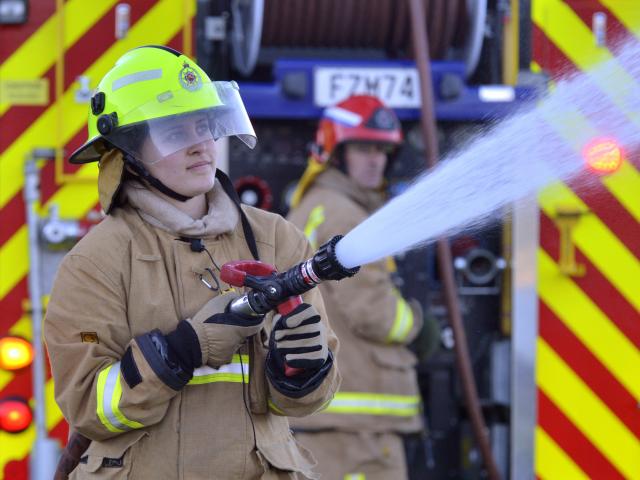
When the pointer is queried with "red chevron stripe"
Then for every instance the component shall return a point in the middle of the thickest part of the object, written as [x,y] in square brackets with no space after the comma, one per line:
[12,217]
[15,35]
[573,442]
[60,432]
[17,470]
[18,118]
[19,385]
[549,56]
[606,297]
[11,306]
[589,369]
[48,185]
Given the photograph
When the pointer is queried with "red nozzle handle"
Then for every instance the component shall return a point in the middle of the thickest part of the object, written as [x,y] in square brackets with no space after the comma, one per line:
[235,273]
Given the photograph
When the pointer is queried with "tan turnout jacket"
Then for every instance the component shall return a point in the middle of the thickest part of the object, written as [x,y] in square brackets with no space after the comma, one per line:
[379,391]
[128,277]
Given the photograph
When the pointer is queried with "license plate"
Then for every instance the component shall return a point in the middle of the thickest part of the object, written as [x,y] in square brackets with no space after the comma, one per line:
[397,87]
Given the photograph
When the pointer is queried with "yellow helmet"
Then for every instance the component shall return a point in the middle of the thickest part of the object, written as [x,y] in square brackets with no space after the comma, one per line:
[153,84]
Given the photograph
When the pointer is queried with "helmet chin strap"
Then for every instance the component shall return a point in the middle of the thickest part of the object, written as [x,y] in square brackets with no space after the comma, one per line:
[143,173]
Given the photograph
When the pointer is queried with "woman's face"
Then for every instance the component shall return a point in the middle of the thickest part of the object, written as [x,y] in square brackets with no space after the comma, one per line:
[182,154]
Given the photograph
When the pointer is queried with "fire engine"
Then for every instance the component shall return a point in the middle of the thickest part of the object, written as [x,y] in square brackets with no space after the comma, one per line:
[551,293]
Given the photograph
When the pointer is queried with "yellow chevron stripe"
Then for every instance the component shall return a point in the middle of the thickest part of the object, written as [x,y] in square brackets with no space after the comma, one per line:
[36,56]
[551,462]
[564,28]
[625,186]
[42,132]
[578,312]
[76,199]
[587,412]
[610,256]
[14,260]
[627,12]
[52,410]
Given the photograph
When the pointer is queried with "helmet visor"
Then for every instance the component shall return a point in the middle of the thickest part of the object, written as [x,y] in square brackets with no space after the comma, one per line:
[172,122]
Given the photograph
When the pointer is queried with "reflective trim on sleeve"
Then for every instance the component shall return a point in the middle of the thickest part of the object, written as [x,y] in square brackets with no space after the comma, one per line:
[403,322]
[316,218]
[355,476]
[274,407]
[108,398]
[232,372]
[360,403]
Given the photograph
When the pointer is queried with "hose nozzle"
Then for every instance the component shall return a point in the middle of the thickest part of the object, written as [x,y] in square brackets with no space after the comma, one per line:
[271,289]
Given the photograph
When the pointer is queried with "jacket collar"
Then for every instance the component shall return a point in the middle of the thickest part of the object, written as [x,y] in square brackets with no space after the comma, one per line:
[334,179]
[222,216]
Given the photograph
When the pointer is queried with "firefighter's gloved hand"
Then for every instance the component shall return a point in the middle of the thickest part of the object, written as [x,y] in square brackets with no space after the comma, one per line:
[220,332]
[299,339]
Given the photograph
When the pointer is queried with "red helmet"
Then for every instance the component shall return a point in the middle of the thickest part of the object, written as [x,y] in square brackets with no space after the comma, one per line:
[359,118]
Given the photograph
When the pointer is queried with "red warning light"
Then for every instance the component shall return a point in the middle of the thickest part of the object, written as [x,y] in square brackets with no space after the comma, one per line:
[15,415]
[603,155]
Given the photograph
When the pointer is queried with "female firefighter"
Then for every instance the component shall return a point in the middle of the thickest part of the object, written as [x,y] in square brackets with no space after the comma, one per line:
[148,360]
[360,434]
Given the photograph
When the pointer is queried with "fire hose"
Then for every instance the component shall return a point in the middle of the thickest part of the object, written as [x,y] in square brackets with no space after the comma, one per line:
[270,290]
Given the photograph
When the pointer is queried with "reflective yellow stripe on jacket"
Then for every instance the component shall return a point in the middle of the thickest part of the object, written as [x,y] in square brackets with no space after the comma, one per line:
[109,394]
[403,321]
[110,389]
[354,476]
[316,218]
[360,403]
[233,372]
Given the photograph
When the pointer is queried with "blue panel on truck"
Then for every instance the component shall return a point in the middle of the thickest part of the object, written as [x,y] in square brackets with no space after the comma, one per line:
[303,87]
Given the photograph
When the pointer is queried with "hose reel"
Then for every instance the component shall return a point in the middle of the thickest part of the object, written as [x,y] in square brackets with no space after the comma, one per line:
[370,28]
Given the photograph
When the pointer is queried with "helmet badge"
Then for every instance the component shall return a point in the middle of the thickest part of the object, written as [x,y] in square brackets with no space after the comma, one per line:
[189,78]
[383,119]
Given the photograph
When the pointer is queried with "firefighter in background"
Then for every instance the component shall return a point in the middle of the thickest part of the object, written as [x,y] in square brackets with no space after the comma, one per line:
[147,360]
[360,434]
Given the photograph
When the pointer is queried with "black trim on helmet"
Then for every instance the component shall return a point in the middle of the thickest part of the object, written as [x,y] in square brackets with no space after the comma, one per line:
[161,47]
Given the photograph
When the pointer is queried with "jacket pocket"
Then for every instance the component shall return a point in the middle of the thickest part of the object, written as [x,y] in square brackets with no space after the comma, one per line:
[290,456]
[109,460]
[395,358]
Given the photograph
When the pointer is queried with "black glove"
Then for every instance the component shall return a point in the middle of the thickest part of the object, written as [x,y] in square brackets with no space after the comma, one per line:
[220,332]
[299,339]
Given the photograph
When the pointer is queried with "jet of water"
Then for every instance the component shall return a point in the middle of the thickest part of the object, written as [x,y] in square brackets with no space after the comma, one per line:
[512,160]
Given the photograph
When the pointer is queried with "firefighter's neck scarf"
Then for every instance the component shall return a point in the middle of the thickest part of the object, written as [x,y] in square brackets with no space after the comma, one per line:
[222,216]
